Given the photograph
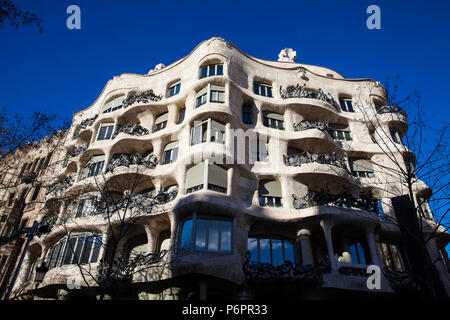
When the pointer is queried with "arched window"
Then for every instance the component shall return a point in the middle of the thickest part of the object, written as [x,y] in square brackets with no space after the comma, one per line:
[270,249]
[211,70]
[77,249]
[202,233]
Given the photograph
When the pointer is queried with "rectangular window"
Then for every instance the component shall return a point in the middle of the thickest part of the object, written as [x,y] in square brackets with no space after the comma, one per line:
[340,132]
[201,100]
[85,208]
[105,131]
[181,115]
[174,89]
[96,168]
[217,96]
[262,89]
[346,105]
[273,120]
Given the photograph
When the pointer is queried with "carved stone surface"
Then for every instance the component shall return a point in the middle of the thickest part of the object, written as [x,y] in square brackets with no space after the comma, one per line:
[311,275]
[60,185]
[287,55]
[401,280]
[126,160]
[305,125]
[136,202]
[75,151]
[391,109]
[297,159]
[134,129]
[301,92]
[143,97]
[344,200]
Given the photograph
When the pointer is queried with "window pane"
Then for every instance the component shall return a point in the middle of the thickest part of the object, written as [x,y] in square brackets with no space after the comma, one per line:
[200,238]
[87,250]
[350,106]
[246,117]
[167,156]
[77,255]
[354,254]
[225,241]
[289,252]
[109,132]
[197,134]
[220,69]
[213,236]
[96,251]
[361,254]
[277,252]
[181,115]
[264,250]
[269,91]
[102,133]
[186,236]
[256,88]
[211,70]
[69,251]
[252,246]
[174,154]
[204,72]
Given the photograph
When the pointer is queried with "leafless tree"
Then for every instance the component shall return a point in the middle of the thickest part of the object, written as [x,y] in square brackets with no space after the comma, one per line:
[416,149]
[123,201]
[11,13]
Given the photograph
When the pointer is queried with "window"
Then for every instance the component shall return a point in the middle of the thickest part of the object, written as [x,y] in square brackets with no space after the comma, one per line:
[174,89]
[346,105]
[80,249]
[208,131]
[93,167]
[362,168]
[215,93]
[259,149]
[113,104]
[161,122]
[206,174]
[170,152]
[105,131]
[358,253]
[270,193]
[380,209]
[206,235]
[268,249]
[273,120]
[393,256]
[211,70]
[181,115]
[35,193]
[247,114]
[262,89]
[85,207]
[395,136]
[340,132]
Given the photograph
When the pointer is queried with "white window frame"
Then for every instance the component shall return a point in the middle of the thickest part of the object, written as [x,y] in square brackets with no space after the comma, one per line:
[102,125]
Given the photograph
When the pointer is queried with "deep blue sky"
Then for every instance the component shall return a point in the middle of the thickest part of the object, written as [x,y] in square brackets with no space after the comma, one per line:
[64,71]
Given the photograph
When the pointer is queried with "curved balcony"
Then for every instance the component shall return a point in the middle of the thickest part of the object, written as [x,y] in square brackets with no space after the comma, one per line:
[394,115]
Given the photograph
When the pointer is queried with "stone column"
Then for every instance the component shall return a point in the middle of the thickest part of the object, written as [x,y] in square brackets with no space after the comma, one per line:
[61,212]
[150,239]
[327,227]
[374,252]
[303,238]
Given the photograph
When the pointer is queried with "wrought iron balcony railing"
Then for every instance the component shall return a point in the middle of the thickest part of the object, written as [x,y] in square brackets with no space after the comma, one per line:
[143,97]
[391,109]
[305,125]
[134,129]
[303,157]
[60,185]
[344,200]
[127,160]
[310,275]
[299,91]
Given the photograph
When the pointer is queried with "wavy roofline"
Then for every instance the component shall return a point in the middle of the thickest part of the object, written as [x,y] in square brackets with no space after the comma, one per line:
[258,60]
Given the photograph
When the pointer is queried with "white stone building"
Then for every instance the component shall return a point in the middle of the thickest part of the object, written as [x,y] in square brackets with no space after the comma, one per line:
[306,195]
